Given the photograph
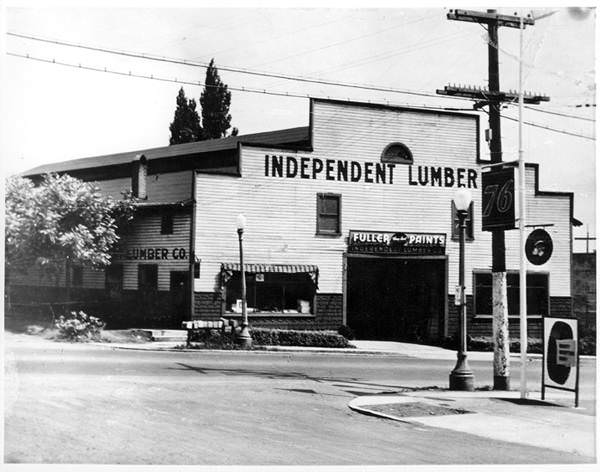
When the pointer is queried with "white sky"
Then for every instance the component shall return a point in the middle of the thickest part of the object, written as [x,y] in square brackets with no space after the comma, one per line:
[54,113]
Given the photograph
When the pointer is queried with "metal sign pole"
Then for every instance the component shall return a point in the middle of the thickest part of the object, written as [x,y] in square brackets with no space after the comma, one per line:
[543,359]
[522,260]
[577,374]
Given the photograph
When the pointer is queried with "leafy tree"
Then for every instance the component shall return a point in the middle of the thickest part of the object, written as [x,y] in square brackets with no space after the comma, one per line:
[185,127]
[215,101]
[61,221]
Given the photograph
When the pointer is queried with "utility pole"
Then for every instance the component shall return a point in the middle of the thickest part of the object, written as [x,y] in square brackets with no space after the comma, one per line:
[587,240]
[493,98]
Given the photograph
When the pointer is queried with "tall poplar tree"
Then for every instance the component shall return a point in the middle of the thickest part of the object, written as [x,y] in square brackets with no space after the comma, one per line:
[185,127]
[215,101]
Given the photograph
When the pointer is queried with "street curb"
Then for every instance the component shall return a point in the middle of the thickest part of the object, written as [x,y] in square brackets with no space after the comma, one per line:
[256,351]
[306,350]
[355,405]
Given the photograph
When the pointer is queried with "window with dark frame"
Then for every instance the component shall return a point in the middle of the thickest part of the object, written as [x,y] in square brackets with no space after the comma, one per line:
[397,153]
[113,280]
[272,293]
[538,298]
[469,233]
[147,277]
[166,223]
[76,276]
[329,211]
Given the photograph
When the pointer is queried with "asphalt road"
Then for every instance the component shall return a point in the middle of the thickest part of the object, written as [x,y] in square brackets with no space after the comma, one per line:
[86,404]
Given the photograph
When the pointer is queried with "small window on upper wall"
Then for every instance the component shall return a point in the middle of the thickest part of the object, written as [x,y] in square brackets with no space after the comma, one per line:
[397,153]
[329,211]
[166,223]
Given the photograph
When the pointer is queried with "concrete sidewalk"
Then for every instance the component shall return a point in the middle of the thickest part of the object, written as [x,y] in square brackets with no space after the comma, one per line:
[491,414]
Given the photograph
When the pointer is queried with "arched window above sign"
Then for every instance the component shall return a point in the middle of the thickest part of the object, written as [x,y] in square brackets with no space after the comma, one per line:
[397,153]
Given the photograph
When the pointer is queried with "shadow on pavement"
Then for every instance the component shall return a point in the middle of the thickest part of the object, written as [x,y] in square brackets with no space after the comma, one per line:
[333,381]
[529,402]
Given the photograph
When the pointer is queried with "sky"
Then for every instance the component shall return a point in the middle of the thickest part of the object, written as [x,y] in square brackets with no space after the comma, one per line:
[53,112]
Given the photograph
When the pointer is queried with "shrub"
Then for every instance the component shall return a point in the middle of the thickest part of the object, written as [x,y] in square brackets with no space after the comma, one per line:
[288,337]
[486,343]
[213,339]
[79,327]
[587,345]
[346,331]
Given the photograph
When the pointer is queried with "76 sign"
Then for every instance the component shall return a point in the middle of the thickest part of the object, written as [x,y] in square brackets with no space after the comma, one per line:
[498,199]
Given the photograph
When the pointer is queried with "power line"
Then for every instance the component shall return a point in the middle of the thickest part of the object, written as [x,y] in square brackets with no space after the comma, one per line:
[528,64]
[389,54]
[172,60]
[262,91]
[373,33]
[536,125]
[199,84]
[560,114]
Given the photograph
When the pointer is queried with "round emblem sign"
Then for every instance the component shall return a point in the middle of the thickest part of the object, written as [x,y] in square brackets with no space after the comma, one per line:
[538,247]
[558,373]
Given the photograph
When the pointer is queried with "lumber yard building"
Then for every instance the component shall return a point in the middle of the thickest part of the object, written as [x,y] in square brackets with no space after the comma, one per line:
[350,221]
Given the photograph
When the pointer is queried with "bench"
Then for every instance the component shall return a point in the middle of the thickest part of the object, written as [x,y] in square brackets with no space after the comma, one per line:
[197,326]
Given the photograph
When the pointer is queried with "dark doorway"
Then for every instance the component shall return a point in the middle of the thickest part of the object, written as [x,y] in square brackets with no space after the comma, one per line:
[396,299]
[180,289]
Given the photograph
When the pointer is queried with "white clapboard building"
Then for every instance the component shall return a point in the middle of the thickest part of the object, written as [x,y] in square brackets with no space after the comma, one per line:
[349,222]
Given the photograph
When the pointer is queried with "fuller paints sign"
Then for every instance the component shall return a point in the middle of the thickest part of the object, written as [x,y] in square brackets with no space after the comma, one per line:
[400,243]
[340,170]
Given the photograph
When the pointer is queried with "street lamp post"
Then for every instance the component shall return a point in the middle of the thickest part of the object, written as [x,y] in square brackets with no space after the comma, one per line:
[243,337]
[461,378]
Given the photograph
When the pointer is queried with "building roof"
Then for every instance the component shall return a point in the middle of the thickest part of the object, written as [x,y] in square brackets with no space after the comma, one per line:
[289,136]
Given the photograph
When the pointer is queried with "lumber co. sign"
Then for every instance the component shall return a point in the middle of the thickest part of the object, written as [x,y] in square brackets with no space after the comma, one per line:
[152,254]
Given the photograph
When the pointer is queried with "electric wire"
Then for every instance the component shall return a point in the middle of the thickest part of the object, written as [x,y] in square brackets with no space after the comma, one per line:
[327,46]
[566,115]
[536,125]
[528,64]
[186,62]
[200,84]
[264,91]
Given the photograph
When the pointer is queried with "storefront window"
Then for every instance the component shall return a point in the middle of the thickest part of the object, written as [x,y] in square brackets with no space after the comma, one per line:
[271,293]
[537,293]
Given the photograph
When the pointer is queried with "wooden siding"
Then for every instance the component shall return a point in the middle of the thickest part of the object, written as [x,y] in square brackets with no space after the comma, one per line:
[145,234]
[281,212]
[167,187]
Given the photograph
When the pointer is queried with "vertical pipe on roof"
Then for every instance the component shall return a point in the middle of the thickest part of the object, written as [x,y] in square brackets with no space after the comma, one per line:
[138,176]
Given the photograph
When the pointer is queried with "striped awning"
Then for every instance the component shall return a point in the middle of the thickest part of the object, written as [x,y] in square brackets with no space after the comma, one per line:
[228,269]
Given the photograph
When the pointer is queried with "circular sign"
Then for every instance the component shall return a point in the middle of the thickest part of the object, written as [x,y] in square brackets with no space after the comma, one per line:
[538,247]
[558,373]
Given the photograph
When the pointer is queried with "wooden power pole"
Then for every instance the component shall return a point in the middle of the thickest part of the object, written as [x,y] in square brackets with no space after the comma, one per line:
[493,98]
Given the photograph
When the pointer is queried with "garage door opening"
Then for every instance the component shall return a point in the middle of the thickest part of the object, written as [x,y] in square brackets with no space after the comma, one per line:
[396,299]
